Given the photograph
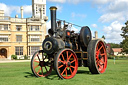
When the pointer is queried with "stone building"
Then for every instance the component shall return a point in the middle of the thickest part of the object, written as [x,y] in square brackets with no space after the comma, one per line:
[23,36]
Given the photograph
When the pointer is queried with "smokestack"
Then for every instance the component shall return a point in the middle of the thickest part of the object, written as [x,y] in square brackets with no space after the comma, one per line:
[96,35]
[41,13]
[53,18]
[22,16]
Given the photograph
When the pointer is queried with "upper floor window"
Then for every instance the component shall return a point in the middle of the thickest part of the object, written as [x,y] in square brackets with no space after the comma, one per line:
[18,27]
[4,27]
[3,38]
[34,28]
[19,38]
[35,38]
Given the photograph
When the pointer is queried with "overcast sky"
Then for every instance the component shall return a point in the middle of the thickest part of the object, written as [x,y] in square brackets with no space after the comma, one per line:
[105,16]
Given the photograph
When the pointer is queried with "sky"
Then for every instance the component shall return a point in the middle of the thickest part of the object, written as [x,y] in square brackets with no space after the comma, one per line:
[105,16]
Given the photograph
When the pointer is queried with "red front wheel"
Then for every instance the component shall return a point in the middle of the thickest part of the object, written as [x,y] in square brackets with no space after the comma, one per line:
[97,57]
[66,64]
[41,65]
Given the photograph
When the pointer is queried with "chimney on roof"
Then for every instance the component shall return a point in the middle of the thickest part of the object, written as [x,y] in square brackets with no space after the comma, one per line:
[22,16]
[96,35]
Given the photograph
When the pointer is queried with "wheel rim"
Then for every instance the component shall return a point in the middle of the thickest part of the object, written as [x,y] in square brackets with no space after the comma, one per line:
[41,65]
[67,64]
[101,57]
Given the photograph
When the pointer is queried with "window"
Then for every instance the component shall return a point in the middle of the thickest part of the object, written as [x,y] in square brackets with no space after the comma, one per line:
[34,28]
[3,38]
[34,49]
[19,38]
[35,38]
[4,27]
[19,50]
[18,27]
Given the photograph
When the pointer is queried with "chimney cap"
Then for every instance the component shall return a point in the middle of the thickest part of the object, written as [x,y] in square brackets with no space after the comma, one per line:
[21,7]
[53,8]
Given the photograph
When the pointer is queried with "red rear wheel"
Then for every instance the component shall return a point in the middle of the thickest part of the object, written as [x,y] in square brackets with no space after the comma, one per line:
[97,57]
[40,64]
[66,64]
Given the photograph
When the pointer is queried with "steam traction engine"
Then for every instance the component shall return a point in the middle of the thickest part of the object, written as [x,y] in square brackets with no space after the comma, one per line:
[65,51]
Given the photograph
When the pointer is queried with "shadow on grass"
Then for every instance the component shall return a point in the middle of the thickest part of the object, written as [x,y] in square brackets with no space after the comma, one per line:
[29,75]
[53,75]
[83,72]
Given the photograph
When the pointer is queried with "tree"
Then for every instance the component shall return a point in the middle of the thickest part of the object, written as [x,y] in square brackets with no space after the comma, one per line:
[114,45]
[124,43]
[103,37]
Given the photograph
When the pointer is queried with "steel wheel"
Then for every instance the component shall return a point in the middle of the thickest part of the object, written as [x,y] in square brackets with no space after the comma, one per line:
[66,64]
[40,64]
[97,57]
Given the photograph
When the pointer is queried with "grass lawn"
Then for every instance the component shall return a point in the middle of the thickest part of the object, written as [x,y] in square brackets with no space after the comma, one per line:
[20,74]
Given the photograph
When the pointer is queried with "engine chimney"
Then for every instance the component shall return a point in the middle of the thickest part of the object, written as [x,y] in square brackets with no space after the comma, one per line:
[22,12]
[53,18]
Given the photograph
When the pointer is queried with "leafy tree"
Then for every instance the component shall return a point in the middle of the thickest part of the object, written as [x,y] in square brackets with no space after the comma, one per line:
[114,45]
[124,43]
[103,37]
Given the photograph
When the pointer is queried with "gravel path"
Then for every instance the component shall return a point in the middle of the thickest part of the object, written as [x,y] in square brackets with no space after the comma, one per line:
[11,61]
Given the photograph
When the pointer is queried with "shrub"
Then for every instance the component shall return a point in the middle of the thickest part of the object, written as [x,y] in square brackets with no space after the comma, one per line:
[25,57]
[13,56]
[117,57]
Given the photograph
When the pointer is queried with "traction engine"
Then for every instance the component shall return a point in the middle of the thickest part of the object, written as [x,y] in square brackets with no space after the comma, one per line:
[65,51]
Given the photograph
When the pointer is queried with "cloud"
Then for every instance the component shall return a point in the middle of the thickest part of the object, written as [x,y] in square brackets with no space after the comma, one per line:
[8,10]
[114,11]
[59,8]
[94,25]
[111,16]
[73,15]
[68,1]
[58,1]
[112,32]
[75,29]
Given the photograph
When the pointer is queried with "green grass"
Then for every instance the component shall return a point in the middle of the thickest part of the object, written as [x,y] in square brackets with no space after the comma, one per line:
[20,74]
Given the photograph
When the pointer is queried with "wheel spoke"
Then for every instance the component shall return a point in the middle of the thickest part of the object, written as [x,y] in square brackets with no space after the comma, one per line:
[38,57]
[61,66]
[46,69]
[63,71]
[42,70]
[67,54]
[66,72]
[102,54]
[102,61]
[100,67]
[61,61]
[72,66]
[70,56]
[72,61]
[36,61]
[70,70]
[100,48]
[36,66]
[63,57]
[39,70]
